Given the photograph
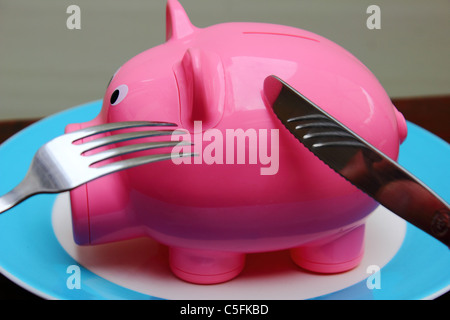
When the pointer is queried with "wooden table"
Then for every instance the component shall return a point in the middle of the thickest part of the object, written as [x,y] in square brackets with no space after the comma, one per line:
[431,113]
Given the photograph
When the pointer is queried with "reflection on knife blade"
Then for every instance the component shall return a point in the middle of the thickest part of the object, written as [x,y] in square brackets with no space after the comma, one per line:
[359,162]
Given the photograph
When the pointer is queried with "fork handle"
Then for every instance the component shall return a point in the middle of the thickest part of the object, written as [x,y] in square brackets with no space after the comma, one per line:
[22,191]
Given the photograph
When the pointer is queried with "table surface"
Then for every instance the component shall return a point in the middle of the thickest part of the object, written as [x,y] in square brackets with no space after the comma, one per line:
[430,113]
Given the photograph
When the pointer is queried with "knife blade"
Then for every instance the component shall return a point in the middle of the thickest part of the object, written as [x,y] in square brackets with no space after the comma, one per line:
[359,162]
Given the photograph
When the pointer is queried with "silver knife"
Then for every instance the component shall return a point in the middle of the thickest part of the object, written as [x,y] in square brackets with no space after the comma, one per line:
[358,161]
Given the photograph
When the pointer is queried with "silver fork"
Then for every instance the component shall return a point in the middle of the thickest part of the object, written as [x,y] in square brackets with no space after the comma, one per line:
[60,164]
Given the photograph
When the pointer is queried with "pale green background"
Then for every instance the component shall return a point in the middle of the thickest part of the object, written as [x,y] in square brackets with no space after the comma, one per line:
[46,68]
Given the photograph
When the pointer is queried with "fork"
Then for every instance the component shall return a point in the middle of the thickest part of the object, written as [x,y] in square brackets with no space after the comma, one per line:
[62,164]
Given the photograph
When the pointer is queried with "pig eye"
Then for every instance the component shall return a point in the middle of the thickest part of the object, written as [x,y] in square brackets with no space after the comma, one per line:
[119,94]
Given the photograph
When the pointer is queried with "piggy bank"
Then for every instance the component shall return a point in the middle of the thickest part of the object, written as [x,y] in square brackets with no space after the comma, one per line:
[252,186]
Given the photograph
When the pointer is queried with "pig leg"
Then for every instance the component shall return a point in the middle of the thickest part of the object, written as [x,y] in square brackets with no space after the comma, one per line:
[204,266]
[341,253]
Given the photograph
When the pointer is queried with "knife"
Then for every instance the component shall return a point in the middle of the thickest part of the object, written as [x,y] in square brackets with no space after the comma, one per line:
[358,161]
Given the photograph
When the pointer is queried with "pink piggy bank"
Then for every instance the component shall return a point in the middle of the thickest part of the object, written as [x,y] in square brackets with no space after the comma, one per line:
[252,187]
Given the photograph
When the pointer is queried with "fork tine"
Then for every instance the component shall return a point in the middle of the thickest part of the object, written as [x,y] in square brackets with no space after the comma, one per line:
[100,142]
[115,152]
[102,128]
[133,162]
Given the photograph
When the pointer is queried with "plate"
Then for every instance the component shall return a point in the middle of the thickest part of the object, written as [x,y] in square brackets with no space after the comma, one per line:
[38,253]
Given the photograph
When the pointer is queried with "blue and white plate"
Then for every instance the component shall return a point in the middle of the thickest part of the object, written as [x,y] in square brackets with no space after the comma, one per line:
[38,253]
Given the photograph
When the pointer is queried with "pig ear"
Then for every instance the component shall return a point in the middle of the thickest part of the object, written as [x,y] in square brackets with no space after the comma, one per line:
[178,24]
[201,87]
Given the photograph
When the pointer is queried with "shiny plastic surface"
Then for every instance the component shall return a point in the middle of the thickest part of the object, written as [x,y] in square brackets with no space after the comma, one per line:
[276,196]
